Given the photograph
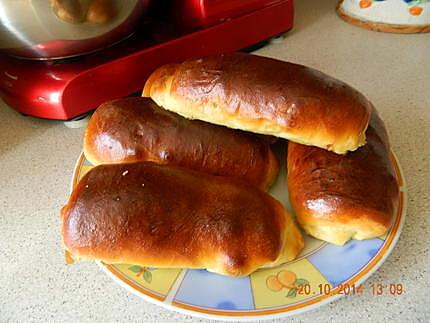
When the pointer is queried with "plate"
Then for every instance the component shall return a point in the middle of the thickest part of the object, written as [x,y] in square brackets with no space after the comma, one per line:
[322,273]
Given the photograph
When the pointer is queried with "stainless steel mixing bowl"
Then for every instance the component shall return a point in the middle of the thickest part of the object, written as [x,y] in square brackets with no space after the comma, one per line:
[33,29]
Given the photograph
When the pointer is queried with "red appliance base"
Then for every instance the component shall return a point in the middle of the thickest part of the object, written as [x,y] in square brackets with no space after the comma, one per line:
[57,90]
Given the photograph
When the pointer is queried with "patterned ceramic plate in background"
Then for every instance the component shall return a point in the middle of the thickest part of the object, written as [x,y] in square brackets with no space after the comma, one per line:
[322,273]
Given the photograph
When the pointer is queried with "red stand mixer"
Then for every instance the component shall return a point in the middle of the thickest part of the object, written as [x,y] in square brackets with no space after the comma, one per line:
[68,69]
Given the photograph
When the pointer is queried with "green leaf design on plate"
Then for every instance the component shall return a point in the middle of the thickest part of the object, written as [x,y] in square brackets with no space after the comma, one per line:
[135,269]
[147,276]
[292,293]
[300,282]
[416,2]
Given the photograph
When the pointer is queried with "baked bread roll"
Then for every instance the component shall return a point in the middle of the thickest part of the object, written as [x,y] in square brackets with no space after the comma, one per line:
[71,11]
[80,11]
[136,129]
[264,95]
[337,198]
[163,216]
[100,11]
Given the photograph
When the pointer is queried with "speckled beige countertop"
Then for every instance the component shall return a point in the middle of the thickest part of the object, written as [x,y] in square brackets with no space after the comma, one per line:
[37,157]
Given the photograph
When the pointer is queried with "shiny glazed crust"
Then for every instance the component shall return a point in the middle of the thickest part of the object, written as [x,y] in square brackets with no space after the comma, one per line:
[163,216]
[266,96]
[337,198]
[136,129]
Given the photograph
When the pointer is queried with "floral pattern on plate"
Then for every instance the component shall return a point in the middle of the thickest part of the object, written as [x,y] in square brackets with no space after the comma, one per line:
[279,286]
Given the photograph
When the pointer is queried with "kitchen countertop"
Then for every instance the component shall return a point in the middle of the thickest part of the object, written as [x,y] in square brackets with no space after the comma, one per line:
[37,158]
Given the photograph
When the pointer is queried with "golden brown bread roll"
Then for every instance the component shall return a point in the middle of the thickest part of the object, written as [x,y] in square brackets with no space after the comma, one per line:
[100,11]
[264,95]
[79,11]
[163,216]
[337,198]
[71,11]
[136,129]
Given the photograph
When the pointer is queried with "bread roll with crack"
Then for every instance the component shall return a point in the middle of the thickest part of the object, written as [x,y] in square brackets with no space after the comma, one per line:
[168,217]
[266,96]
[136,129]
[337,198]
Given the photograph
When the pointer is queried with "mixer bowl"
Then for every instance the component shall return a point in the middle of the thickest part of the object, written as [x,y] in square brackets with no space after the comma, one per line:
[31,28]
